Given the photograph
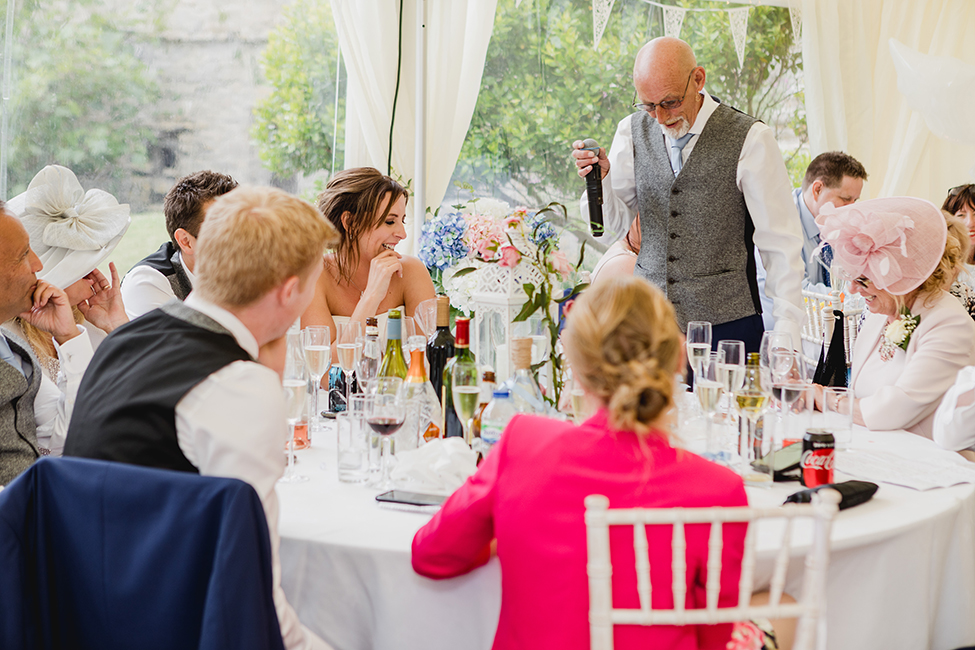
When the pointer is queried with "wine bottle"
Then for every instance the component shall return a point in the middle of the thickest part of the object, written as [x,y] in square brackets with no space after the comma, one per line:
[525,393]
[393,365]
[487,392]
[462,354]
[419,391]
[441,346]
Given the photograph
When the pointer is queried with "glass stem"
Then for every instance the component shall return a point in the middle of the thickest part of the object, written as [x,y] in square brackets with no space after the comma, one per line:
[348,388]
[291,450]
[313,416]
[384,460]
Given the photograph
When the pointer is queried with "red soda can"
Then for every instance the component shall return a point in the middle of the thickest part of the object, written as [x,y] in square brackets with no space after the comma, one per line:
[818,456]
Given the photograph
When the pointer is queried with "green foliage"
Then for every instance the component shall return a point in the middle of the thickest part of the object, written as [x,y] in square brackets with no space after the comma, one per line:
[545,86]
[294,124]
[79,96]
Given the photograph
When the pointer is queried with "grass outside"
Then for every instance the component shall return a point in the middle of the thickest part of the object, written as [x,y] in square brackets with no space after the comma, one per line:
[145,234]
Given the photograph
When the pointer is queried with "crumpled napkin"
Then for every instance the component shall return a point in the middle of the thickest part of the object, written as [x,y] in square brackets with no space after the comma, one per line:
[438,467]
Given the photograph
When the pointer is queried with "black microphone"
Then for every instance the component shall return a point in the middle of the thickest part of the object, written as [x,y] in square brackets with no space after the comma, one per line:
[594,191]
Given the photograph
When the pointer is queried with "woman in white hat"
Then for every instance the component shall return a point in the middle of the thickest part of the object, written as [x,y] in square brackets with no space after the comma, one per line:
[72,232]
[900,257]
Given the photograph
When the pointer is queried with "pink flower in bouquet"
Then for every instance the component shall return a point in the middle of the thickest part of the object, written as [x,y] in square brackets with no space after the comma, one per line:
[484,236]
[509,257]
[560,263]
[512,220]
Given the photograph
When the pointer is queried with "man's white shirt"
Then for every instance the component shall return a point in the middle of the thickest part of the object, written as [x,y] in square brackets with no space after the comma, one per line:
[144,289]
[233,425]
[764,182]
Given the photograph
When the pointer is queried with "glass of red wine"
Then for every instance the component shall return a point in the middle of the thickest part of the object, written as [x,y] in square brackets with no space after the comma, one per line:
[387,413]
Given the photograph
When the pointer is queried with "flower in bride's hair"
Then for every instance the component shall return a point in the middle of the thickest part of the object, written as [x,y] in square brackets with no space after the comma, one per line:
[509,257]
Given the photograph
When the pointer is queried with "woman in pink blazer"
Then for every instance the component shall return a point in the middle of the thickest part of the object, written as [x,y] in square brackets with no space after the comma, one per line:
[624,347]
[917,336]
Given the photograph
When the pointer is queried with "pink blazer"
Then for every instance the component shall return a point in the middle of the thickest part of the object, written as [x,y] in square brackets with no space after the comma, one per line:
[528,494]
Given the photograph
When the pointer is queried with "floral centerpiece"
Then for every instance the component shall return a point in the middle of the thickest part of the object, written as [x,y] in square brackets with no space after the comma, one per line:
[459,246]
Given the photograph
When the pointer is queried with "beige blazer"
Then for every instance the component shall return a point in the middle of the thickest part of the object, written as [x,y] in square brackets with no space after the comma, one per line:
[906,394]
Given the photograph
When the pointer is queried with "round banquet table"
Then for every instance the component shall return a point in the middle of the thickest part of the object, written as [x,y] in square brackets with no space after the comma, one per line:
[901,572]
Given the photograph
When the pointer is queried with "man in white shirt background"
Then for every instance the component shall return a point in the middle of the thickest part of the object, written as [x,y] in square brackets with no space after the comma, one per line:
[181,387]
[832,177]
[168,273]
[47,308]
[710,186]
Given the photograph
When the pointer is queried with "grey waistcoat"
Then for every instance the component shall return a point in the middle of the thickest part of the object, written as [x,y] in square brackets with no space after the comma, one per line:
[696,230]
[18,433]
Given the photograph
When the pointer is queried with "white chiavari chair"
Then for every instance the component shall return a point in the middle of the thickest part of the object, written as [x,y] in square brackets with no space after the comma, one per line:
[819,323]
[809,609]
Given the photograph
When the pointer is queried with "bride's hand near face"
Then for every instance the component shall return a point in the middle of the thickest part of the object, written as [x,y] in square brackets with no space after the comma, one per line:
[381,271]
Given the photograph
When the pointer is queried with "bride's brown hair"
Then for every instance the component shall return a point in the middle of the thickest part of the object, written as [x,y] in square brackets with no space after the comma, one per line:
[360,193]
[624,346]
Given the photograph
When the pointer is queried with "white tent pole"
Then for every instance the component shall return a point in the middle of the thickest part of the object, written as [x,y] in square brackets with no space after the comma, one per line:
[420,150]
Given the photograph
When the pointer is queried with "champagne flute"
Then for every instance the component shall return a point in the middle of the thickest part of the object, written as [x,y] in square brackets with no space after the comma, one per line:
[387,413]
[708,390]
[369,361]
[317,344]
[466,393]
[295,391]
[698,345]
[751,401]
[731,365]
[348,343]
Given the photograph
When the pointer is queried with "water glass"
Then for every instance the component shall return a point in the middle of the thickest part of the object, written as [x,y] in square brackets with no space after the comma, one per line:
[838,415]
[353,447]
[358,407]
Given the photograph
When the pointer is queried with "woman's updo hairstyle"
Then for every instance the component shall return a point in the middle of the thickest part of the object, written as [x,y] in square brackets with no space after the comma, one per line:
[624,346]
[360,192]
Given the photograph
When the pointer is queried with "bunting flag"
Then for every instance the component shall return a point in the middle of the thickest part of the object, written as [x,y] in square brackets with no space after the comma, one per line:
[673,20]
[739,31]
[795,15]
[600,16]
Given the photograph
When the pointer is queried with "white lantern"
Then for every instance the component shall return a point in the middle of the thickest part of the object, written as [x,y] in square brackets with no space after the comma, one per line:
[498,297]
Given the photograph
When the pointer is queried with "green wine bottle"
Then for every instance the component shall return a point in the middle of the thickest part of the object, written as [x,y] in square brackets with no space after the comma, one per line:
[394,365]
[463,356]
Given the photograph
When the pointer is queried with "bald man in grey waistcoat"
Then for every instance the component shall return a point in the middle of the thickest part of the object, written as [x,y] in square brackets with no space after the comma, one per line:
[709,185]
[46,307]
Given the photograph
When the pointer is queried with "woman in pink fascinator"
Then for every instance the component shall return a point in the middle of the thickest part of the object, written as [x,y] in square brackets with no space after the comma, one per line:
[898,254]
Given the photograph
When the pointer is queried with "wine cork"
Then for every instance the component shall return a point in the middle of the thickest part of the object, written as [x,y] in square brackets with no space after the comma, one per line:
[521,353]
[443,311]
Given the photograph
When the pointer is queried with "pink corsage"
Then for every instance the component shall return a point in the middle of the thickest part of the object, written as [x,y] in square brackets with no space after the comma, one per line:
[746,636]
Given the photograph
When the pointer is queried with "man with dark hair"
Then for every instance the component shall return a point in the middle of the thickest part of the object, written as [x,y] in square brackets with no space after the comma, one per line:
[168,273]
[832,177]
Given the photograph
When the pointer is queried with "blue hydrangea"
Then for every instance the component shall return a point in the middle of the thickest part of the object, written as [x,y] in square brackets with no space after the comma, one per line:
[545,232]
[442,242]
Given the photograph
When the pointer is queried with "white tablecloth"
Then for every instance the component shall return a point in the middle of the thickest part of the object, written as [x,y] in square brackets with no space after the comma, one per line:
[902,567]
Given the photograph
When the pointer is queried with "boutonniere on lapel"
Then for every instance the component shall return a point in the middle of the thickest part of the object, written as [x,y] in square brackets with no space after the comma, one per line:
[898,333]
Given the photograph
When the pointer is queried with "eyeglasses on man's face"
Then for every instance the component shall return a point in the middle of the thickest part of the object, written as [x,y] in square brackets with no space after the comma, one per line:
[667,104]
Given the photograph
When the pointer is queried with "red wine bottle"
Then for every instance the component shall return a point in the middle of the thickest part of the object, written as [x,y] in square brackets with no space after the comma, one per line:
[441,347]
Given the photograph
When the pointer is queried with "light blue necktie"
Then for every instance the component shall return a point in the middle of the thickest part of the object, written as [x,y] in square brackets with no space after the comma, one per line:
[9,356]
[676,148]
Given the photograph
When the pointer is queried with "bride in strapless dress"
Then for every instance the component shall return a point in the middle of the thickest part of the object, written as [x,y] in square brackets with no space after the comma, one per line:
[364,276]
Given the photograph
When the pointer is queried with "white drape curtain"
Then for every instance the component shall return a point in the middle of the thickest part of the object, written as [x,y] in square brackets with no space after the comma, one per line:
[852,100]
[458,32]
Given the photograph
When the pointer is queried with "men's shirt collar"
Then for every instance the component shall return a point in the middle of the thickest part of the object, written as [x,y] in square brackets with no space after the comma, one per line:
[809,227]
[186,270]
[703,115]
[233,325]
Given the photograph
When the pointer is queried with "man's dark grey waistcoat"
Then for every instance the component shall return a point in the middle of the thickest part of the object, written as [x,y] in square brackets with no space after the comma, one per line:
[18,432]
[696,230]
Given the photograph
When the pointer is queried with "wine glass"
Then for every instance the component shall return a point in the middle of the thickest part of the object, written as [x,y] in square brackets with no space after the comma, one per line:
[348,343]
[708,390]
[731,365]
[787,381]
[466,393]
[386,414]
[295,391]
[751,401]
[408,331]
[317,343]
[698,345]
[369,361]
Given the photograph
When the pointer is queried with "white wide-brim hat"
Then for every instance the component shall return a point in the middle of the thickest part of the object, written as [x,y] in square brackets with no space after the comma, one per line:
[71,231]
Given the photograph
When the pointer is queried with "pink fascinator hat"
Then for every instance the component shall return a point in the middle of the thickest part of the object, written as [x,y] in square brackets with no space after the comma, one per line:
[896,242]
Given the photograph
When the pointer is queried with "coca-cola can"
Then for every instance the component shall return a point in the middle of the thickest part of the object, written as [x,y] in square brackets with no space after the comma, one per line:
[818,456]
